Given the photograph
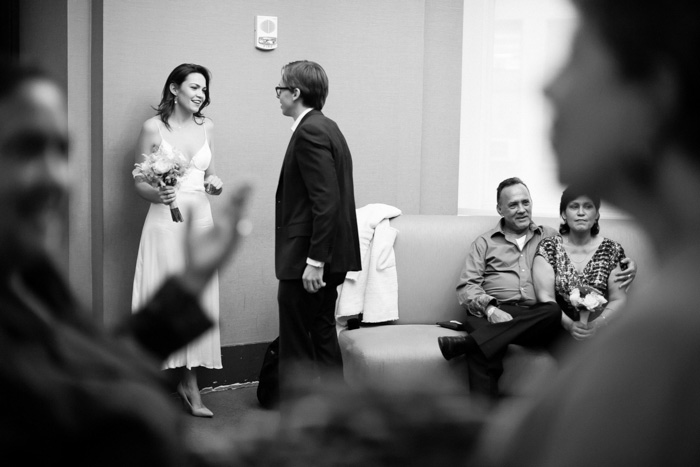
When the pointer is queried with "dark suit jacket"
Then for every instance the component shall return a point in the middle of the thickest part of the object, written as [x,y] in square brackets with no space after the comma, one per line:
[315,203]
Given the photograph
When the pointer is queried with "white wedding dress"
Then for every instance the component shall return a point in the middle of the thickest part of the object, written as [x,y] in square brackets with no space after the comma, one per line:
[162,253]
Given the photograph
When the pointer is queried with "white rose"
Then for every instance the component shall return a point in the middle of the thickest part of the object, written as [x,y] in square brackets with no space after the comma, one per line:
[575,297]
[162,166]
[590,301]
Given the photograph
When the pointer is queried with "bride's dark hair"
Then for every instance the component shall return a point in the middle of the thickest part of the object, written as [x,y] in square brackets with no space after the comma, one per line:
[177,77]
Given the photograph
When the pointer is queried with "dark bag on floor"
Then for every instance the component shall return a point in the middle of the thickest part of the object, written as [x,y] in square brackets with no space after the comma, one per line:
[268,381]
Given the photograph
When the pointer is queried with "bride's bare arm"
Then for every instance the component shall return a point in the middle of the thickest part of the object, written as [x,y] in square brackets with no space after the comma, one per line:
[149,140]
[212,182]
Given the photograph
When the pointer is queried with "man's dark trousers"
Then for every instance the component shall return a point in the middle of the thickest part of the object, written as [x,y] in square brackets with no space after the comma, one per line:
[308,338]
[537,326]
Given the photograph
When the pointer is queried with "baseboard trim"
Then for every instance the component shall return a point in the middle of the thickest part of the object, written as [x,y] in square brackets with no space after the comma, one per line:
[241,366]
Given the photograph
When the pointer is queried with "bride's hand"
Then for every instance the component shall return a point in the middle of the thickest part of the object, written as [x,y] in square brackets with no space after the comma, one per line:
[167,194]
[208,251]
[213,185]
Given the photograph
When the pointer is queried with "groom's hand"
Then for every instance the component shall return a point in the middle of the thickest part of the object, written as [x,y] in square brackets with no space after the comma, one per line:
[313,279]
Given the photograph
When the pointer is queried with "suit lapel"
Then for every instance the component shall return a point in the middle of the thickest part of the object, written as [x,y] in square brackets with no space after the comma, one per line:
[290,147]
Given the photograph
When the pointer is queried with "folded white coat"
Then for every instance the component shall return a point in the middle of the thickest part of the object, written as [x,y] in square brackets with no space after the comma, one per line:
[373,291]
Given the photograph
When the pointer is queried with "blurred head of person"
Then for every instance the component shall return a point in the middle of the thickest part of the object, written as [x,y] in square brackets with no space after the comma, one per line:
[579,212]
[627,96]
[34,175]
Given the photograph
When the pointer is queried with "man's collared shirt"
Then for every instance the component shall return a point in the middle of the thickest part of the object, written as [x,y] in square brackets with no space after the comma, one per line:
[497,271]
[301,115]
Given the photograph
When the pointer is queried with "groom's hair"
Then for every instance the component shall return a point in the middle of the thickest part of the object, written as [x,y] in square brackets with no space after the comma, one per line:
[310,78]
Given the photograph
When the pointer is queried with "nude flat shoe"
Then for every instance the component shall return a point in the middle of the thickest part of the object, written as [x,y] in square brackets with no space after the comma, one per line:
[197,412]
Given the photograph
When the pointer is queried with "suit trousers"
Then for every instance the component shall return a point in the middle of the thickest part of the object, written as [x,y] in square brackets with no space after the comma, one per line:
[309,350]
[537,326]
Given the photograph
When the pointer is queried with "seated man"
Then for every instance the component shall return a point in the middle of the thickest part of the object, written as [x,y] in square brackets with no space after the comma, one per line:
[497,290]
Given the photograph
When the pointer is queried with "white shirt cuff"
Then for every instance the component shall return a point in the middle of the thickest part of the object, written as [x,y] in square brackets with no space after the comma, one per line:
[314,263]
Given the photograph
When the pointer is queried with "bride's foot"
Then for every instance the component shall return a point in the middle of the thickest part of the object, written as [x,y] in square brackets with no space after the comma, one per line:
[195,407]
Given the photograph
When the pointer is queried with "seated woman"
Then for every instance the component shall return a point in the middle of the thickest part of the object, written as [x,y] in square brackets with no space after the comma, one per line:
[579,257]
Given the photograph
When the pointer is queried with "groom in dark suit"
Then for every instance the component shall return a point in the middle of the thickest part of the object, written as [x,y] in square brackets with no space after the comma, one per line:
[316,237]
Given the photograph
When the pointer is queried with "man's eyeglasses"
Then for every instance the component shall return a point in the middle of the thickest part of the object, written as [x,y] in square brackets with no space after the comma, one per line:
[279,89]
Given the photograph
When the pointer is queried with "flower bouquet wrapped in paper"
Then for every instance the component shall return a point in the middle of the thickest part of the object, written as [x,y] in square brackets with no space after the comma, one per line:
[163,168]
[586,299]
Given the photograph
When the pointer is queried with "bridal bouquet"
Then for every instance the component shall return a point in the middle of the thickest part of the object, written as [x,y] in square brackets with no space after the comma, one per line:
[163,168]
[586,299]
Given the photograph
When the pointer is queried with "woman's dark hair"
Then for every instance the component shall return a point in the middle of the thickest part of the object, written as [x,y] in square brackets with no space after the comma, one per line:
[310,78]
[177,77]
[646,35]
[570,194]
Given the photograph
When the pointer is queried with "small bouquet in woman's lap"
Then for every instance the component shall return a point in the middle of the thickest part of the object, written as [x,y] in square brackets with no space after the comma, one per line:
[586,299]
[163,168]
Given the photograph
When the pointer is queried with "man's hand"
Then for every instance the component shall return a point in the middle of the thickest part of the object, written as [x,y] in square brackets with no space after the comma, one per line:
[626,277]
[208,251]
[499,316]
[313,279]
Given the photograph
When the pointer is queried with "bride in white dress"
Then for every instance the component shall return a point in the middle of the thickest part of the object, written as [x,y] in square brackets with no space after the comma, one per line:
[180,125]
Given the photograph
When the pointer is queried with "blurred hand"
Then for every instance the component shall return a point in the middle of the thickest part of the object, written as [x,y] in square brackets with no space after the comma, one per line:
[208,251]
[499,316]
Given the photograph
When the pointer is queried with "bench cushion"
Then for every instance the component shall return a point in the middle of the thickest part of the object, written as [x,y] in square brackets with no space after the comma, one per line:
[395,356]
[408,356]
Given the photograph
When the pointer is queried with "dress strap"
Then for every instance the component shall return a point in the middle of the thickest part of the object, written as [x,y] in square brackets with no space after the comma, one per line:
[159,122]
[163,141]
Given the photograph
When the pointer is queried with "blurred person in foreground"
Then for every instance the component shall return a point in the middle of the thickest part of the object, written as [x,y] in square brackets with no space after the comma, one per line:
[74,393]
[338,426]
[626,118]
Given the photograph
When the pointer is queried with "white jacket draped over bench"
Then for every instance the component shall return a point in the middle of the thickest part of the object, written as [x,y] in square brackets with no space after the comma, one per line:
[373,291]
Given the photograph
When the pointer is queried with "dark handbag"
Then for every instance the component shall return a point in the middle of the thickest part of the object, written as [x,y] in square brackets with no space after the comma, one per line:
[452,324]
[268,381]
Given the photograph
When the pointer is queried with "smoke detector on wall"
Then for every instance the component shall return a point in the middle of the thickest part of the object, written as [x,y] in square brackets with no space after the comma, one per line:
[266,32]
